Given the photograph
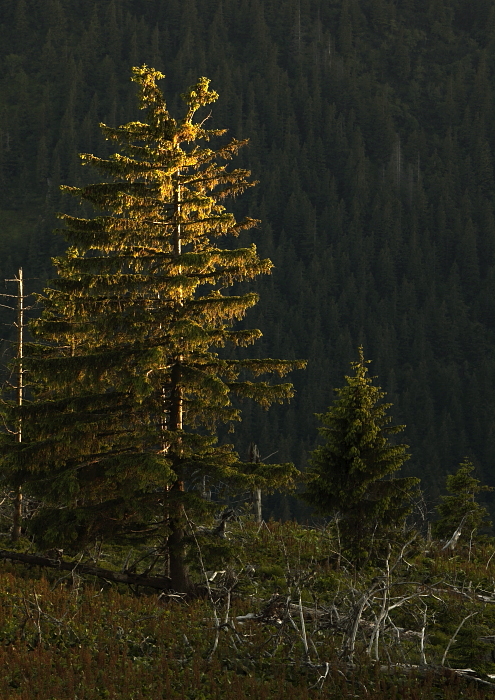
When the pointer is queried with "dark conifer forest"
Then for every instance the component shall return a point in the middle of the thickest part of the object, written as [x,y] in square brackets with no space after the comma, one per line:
[371,128]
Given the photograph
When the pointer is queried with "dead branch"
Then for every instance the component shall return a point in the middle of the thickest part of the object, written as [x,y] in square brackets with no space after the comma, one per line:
[453,638]
[160,583]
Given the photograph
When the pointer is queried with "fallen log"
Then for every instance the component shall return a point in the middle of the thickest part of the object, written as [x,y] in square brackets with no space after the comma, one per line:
[160,583]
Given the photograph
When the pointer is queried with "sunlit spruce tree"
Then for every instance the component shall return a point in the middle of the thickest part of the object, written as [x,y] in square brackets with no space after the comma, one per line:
[352,471]
[128,388]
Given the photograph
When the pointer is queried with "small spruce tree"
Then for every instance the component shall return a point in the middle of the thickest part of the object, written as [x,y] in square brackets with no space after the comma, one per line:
[351,477]
[128,385]
[459,508]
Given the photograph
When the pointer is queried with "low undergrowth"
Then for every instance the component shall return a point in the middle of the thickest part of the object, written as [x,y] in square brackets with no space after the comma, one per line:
[281,616]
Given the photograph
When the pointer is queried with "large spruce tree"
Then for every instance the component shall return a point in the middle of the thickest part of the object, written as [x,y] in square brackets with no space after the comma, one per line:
[352,471]
[128,387]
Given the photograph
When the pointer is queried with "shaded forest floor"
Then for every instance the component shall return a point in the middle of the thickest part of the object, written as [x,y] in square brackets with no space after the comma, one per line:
[282,615]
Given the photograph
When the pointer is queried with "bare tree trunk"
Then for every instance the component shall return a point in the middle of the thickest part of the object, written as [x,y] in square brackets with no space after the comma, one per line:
[17,513]
[257,506]
[205,492]
[254,456]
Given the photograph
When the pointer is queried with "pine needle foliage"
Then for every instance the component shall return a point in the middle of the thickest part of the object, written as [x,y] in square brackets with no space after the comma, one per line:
[351,476]
[128,385]
[458,508]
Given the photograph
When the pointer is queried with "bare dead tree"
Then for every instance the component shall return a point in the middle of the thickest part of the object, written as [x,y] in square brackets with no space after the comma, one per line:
[20,309]
[255,458]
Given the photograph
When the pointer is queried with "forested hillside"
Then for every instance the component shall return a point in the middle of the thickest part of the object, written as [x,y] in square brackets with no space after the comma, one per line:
[372,133]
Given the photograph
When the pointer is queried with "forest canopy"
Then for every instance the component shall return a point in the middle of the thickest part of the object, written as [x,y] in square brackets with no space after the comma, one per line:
[371,132]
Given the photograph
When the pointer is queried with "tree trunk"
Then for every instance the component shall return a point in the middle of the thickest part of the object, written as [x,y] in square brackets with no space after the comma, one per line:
[254,456]
[179,575]
[17,516]
[17,510]
[258,513]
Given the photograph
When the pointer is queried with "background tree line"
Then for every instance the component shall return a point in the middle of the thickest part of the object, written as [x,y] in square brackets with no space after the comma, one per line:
[371,132]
